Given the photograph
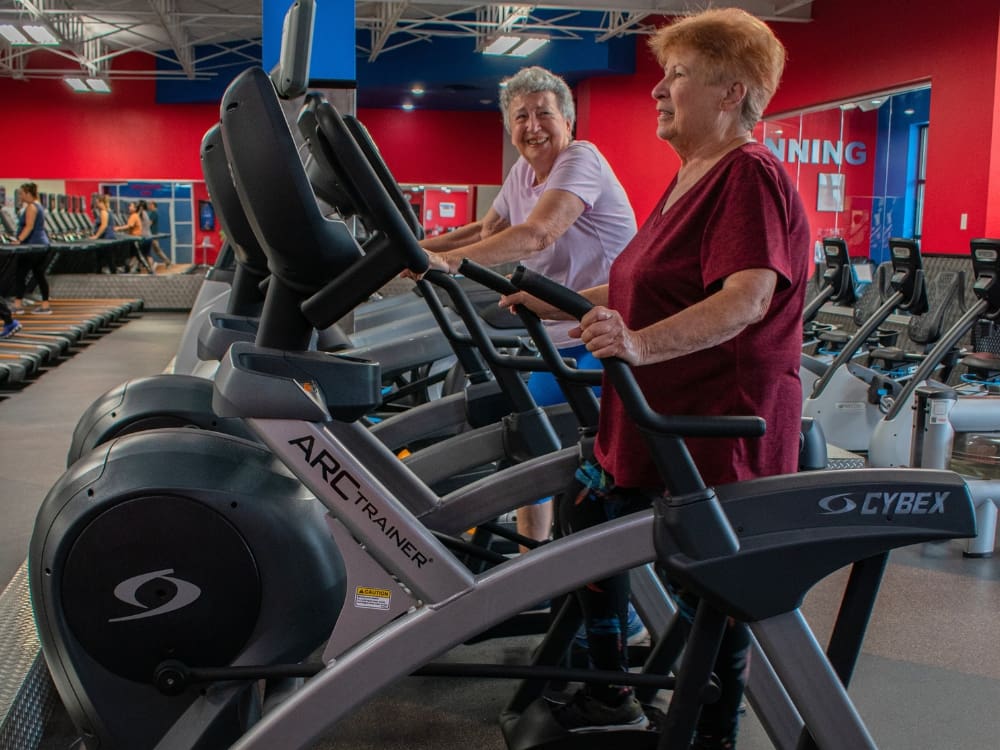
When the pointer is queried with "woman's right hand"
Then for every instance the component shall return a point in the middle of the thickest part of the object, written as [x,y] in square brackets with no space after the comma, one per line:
[542,309]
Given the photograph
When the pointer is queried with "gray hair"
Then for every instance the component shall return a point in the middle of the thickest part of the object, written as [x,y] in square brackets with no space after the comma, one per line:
[536,80]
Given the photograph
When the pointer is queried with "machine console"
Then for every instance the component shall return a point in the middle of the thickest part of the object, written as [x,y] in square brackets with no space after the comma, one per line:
[907,275]
[986,265]
[839,273]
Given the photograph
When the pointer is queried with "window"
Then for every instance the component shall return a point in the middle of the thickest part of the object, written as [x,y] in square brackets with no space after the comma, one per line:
[918,184]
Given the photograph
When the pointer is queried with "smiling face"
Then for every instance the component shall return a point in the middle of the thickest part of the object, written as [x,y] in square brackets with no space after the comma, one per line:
[538,129]
[689,107]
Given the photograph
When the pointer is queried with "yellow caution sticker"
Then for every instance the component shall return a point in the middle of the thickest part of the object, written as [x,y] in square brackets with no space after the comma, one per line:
[366,597]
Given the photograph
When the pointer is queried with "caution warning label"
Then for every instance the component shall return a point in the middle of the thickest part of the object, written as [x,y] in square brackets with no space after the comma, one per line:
[370,598]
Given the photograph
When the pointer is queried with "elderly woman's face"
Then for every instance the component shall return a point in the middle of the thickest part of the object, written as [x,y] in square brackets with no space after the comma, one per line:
[537,126]
[688,108]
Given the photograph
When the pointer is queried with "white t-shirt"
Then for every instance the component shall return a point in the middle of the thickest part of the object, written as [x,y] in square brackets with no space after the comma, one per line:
[582,256]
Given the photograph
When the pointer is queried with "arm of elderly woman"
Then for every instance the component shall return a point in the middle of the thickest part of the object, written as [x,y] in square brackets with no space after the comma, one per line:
[554,213]
[742,301]
[461,237]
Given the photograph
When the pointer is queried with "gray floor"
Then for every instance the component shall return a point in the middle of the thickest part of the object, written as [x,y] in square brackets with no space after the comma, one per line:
[929,677]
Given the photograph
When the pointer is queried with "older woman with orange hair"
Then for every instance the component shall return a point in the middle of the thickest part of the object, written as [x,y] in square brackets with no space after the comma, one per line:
[705,305]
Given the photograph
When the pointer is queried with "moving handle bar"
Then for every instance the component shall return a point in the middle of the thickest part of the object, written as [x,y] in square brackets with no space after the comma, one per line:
[623,379]
[536,329]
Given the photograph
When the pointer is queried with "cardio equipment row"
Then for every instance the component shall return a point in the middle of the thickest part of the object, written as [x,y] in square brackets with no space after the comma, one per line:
[313,537]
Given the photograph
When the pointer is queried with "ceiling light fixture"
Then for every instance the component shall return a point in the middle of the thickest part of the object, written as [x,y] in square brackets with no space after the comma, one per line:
[514,46]
[13,34]
[417,91]
[29,35]
[41,35]
[77,84]
[502,45]
[529,45]
[89,85]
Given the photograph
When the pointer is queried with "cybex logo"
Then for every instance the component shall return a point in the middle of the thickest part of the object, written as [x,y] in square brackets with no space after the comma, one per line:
[834,504]
[885,503]
[184,594]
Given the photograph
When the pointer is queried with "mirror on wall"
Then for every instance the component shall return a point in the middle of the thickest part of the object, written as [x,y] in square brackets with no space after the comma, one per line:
[859,166]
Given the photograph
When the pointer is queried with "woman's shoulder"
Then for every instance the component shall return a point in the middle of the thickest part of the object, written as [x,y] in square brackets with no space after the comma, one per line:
[583,149]
[581,155]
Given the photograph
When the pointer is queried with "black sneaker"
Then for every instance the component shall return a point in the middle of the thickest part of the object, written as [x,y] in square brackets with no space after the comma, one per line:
[584,713]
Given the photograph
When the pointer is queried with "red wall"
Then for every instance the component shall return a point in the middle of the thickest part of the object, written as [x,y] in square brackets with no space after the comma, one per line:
[856,46]
[618,115]
[854,222]
[993,196]
[450,148]
[851,48]
[121,136]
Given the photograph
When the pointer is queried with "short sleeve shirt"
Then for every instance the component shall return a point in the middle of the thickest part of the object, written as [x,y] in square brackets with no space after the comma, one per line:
[744,213]
[582,256]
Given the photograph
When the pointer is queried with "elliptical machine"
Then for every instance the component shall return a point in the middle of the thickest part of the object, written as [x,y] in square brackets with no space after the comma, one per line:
[840,398]
[431,601]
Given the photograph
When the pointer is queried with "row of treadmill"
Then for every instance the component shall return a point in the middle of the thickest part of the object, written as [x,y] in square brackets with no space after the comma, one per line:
[71,248]
[250,582]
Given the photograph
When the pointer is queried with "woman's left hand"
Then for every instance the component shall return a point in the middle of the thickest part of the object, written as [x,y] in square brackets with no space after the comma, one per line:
[606,335]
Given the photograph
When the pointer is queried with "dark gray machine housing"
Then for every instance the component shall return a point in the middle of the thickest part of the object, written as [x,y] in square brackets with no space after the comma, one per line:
[176,545]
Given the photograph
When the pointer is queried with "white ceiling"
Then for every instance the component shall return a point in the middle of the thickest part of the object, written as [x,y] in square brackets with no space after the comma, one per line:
[193,33]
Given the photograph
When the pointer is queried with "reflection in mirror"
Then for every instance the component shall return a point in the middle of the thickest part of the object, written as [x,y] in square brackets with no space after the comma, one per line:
[859,166]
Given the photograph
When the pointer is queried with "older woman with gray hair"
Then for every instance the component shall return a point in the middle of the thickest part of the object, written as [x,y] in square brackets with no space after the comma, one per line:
[561,212]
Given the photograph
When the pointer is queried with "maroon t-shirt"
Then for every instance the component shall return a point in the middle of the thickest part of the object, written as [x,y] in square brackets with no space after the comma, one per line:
[744,213]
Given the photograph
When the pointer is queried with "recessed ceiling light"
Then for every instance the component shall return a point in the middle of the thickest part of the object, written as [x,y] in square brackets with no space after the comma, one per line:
[909,111]
[408,106]
[417,90]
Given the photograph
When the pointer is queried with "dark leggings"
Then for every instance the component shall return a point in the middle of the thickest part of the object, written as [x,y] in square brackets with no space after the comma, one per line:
[605,610]
[34,262]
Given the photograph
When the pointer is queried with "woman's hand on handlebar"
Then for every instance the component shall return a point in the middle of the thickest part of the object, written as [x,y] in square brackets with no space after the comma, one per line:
[605,335]
[437,263]
[541,309]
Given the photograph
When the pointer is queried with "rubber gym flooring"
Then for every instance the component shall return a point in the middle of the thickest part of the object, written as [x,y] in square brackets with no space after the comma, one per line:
[929,677]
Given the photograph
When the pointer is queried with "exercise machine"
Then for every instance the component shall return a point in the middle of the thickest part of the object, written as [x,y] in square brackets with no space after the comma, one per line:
[840,397]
